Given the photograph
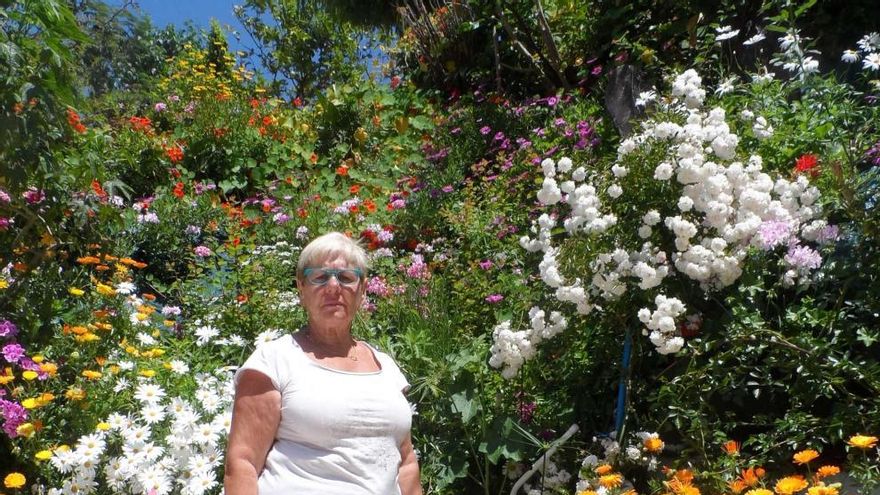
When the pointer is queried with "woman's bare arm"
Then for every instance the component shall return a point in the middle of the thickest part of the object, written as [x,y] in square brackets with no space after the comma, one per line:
[408,475]
[256,414]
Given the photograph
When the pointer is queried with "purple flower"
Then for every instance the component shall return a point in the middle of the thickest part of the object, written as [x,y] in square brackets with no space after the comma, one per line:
[447,188]
[499,136]
[280,218]
[202,251]
[485,130]
[486,264]
[773,233]
[33,195]
[4,196]
[552,101]
[418,268]
[456,131]
[6,222]
[160,107]
[14,414]
[527,411]
[398,204]
[803,257]
[13,352]
[596,70]
[559,122]
[8,329]
[494,298]
[193,230]
[828,234]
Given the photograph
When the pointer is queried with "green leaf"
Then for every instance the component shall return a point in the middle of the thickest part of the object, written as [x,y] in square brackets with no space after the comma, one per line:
[465,406]
[421,122]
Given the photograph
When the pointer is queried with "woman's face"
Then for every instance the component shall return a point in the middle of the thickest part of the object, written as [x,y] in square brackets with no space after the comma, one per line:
[333,303]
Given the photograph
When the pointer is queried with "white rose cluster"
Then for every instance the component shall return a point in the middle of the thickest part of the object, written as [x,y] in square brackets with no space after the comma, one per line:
[724,203]
[511,348]
[661,327]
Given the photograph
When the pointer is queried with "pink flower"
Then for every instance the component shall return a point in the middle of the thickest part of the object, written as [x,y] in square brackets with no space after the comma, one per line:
[202,251]
[494,298]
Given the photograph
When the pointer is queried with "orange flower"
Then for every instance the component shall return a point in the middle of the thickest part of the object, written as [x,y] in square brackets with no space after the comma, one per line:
[731,447]
[174,153]
[611,480]
[805,456]
[653,445]
[759,491]
[603,469]
[178,190]
[370,205]
[737,486]
[822,490]
[862,441]
[354,189]
[790,485]
[88,260]
[826,471]
[313,158]
[750,476]
[342,170]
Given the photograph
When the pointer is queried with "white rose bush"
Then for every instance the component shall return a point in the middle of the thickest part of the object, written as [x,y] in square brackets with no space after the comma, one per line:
[682,204]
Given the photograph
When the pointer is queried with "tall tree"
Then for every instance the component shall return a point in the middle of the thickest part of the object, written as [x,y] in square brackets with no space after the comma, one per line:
[302,45]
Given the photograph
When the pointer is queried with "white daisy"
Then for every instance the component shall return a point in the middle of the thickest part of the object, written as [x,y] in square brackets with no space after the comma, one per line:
[869,42]
[149,392]
[724,33]
[153,413]
[871,62]
[755,39]
[179,367]
[205,334]
[850,56]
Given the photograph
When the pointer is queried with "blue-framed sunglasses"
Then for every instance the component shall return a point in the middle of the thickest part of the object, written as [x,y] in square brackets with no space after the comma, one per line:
[321,276]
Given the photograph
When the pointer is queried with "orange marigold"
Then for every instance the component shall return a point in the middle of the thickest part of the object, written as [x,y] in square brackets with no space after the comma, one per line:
[822,490]
[611,480]
[790,485]
[826,471]
[731,447]
[603,469]
[805,456]
[759,491]
[653,445]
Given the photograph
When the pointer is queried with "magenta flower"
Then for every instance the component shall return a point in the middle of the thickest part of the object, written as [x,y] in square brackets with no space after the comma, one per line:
[494,298]
[160,107]
[486,264]
[33,195]
[7,329]
[485,130]
[13,352]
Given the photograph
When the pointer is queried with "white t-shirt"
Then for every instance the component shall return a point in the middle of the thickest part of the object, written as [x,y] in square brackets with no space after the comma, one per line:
[340,431]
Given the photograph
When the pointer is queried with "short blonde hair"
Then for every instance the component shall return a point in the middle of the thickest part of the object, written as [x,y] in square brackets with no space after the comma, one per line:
[330,245]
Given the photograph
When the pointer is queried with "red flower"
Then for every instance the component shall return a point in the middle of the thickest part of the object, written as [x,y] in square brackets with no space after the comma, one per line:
[174,153]
[297,102]
[343,170]
[807,164]
[99,191]
[178,190]
[354,189]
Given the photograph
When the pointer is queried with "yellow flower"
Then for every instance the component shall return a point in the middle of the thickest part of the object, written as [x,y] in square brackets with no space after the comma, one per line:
[29,375]
[43,455]
[147,373]
[105,290]
[14,480]
[805,456]
[26,430]
[75,393]
[862,441]
[73,291]
[790,485]
[826,471]
[822,490]
[611,480]
[587,492]
[103,426]
[4,284]
[30,403]
[91,375]
[759,491]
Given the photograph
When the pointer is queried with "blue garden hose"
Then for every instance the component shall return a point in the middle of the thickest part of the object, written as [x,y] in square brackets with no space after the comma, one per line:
[621,387]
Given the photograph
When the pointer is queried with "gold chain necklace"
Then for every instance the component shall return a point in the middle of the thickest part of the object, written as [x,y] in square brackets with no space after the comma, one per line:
[348,354]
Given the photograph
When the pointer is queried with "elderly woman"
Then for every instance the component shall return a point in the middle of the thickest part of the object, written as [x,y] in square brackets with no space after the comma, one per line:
[318,412]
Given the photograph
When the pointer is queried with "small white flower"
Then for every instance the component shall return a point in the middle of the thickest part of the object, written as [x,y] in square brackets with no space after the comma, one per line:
[850,56]
[871,62]
[869,42]
[755,39]
[724,33]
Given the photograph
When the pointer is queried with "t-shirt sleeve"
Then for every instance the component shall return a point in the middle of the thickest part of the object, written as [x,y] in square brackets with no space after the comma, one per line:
[264,359]
[395,374]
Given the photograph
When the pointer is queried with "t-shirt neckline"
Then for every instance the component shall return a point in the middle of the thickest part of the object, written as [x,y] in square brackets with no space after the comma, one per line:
[328,368]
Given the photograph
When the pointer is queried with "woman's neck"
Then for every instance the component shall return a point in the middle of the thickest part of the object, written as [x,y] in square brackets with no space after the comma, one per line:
[329,336]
